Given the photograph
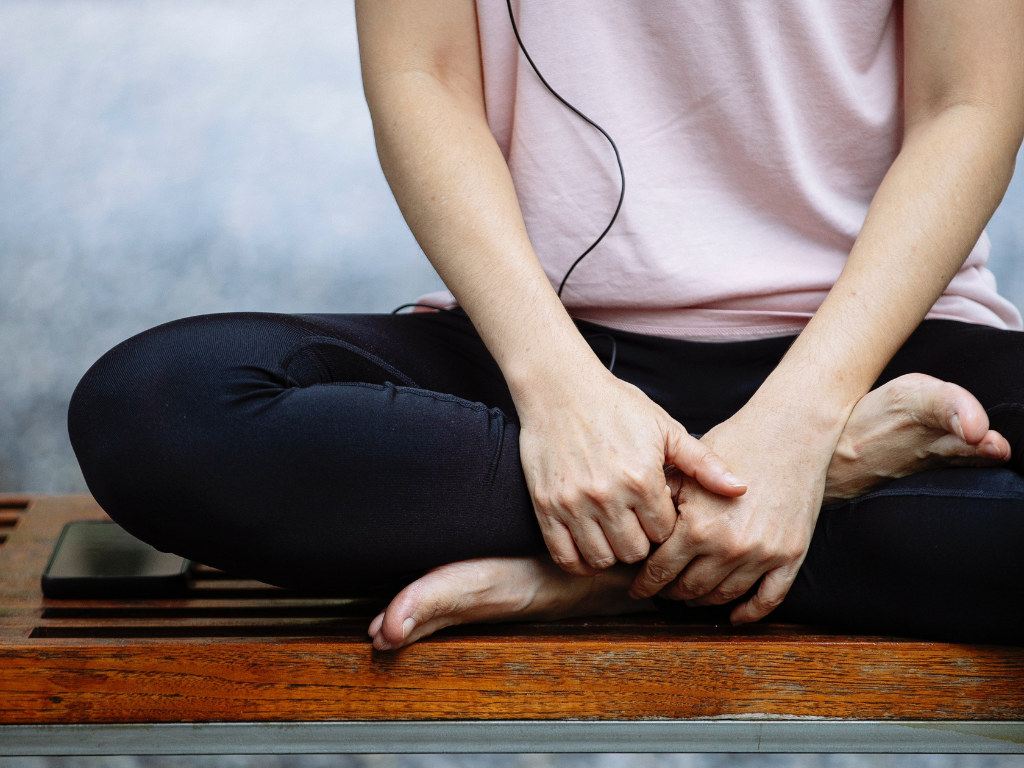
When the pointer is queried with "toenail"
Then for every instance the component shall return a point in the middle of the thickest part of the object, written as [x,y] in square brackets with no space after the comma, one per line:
[407,627]
[957,427]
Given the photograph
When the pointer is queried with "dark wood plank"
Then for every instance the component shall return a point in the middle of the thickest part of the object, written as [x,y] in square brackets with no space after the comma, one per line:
[237,650]
[505,677]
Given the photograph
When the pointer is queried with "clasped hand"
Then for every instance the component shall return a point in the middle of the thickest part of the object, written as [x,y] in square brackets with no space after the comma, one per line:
[594,462]
[721,547]
[596,468]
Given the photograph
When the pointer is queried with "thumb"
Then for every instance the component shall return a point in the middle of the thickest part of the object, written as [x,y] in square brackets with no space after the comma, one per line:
[701,463]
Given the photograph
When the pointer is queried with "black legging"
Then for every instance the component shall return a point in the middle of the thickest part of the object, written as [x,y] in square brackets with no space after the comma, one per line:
[334,452]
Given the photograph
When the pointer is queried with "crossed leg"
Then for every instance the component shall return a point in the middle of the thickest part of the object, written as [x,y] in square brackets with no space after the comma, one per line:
[911,424]
[339,452]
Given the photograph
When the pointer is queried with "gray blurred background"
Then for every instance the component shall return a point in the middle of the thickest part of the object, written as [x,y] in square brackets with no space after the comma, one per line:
[165,158]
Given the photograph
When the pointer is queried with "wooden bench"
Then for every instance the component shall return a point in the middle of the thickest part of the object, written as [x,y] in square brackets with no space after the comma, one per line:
[241,667]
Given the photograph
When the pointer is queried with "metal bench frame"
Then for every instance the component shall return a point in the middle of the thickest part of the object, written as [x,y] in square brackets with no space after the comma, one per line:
[514,736]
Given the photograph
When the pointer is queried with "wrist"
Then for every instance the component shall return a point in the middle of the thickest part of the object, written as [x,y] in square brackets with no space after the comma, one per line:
[817,392]
[806,412]
[555,381]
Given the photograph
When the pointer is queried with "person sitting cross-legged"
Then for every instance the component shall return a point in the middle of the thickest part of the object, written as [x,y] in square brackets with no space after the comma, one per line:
[816,407]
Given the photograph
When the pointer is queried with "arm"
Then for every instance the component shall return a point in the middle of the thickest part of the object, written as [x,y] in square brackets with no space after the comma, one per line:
[593,447]
[964,119]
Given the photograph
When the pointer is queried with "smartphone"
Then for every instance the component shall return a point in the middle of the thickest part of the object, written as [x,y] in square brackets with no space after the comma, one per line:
[99,559]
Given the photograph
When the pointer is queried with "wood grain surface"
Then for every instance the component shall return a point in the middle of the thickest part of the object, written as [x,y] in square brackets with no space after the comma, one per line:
[237,650]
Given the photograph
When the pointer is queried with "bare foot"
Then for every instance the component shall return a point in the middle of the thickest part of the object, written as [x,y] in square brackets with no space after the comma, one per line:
[500,589]
[913,423]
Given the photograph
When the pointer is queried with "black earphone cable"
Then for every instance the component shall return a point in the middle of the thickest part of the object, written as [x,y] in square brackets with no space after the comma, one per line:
[618,158]
[618,206]
[399,308]
[615,346]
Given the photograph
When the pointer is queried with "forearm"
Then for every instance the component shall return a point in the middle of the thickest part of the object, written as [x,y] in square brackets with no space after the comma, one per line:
[454,188]
[924,220]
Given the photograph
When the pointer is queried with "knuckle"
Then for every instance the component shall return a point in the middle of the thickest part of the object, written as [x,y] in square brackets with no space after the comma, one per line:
[733,547]
[707,460]
[792,553]
[600,492]
[565,561]
[691,588]
[698,532]
[544,500]
[642,480]
[715,598]
[565,499]
[660,533]
[634,479]
[728,594]
[605,561]
[575,515]
[658,573]
[662,518]
[580,569]
[635,555]
[653,477]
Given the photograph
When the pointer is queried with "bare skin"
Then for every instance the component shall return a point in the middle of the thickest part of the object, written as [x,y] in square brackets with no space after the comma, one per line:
[911,424]
[593,448]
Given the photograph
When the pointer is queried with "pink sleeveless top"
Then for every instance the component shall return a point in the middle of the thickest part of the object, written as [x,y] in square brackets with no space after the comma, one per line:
[753,134]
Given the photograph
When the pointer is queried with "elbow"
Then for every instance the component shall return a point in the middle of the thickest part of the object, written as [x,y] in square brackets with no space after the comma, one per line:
[994,126]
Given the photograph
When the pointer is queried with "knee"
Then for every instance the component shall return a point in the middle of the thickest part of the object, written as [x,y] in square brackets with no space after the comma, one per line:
[114,418]
[129,391]
[137,417]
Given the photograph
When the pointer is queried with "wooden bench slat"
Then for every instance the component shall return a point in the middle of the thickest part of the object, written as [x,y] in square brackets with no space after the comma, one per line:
[486,678]
[234,651]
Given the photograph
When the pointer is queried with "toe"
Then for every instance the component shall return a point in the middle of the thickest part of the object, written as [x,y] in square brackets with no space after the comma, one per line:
[991,449]
[423,607]
[994,446]
[955,410]
[403,609]
[375,625]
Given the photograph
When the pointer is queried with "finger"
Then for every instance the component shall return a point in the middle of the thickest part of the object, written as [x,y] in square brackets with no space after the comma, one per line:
[674,480]
[700,462]
[655,510]
[735,585]
[700,577]
[660,568]
[768,597]
[593,544]
[628,540]
[564,552]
